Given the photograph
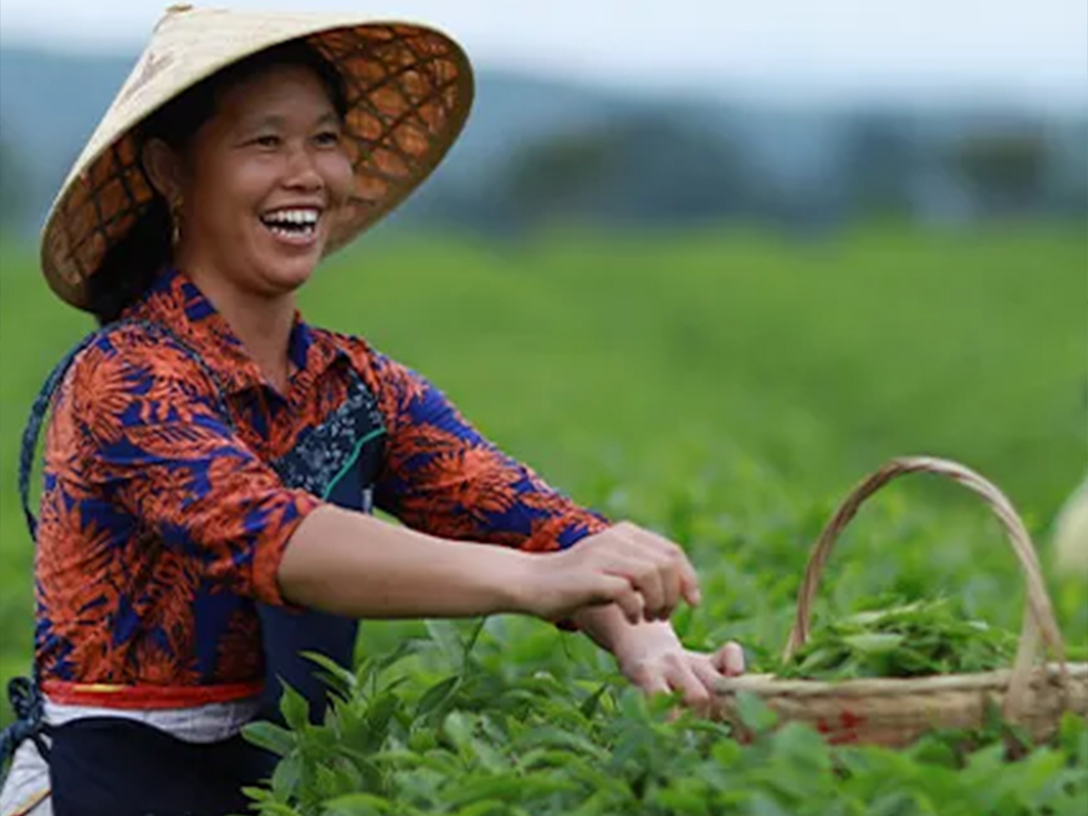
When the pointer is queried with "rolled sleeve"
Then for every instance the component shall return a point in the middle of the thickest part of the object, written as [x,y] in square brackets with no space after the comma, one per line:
[444,477]
[162,448]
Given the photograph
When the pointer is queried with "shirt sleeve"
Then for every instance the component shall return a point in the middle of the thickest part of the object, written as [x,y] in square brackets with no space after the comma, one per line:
[160,447]
[443,477]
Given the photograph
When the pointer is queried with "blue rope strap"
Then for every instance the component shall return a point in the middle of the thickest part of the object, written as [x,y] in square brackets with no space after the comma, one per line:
[26,701]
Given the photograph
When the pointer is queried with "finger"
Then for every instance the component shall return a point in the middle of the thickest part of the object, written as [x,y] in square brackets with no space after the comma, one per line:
[632,605]
[729,659]
[668,576]
[651,682]
[673,585]
[648,580]
[623,594]
[678,560]
[709,675]
[681,676]
[644,577]
[650,566]
[667,560]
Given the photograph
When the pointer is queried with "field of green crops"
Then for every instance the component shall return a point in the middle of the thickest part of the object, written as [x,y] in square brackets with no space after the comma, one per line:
[727,388]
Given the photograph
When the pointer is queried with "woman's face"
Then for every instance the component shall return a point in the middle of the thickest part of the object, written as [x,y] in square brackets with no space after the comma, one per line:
[262,183]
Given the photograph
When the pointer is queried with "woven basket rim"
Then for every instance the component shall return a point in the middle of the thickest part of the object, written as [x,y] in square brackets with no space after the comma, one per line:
[772,685]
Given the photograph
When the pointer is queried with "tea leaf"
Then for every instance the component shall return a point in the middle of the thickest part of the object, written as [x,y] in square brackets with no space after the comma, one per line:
[436,696]
[358,804]
[295,709]
[341,680]
[271,737]
[874,643]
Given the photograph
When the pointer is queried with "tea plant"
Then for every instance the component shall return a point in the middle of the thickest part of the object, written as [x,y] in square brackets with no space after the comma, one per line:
[473,743]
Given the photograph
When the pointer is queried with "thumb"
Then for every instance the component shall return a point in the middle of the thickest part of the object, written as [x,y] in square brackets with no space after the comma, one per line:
[729,659]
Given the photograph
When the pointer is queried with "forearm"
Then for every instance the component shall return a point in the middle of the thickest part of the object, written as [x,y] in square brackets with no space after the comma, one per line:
[355,565]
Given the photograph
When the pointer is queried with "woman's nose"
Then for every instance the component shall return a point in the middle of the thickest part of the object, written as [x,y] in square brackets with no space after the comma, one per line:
[302,170]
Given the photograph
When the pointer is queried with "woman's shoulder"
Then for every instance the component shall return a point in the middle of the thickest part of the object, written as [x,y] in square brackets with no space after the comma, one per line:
[113,375]
[116,356]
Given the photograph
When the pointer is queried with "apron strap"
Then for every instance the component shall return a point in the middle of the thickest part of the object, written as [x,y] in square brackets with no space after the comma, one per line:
[38,410]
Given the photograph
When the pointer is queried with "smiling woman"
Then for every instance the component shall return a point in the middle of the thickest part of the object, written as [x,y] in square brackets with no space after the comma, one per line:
[212,460]
[183,131]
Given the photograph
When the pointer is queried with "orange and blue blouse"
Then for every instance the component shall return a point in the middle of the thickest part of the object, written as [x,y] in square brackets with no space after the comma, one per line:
[163,521]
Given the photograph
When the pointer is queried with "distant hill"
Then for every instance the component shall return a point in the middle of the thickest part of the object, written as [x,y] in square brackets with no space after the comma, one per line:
[49,105]
[51,102]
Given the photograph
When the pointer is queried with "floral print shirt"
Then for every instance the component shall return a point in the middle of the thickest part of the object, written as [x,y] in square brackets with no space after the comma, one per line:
[163,522]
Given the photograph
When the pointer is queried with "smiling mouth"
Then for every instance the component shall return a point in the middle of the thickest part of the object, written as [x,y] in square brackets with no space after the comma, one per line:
[293,225]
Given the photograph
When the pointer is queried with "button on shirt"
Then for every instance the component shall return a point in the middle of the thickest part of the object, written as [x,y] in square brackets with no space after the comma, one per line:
[162,520]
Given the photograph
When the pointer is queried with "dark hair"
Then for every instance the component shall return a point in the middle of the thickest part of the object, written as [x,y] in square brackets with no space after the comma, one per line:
[131,264]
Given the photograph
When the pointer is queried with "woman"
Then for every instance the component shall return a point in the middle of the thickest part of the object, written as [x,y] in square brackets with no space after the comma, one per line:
[212,460]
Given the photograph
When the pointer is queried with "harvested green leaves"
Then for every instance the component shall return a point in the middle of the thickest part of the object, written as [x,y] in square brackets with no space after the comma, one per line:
[908,640]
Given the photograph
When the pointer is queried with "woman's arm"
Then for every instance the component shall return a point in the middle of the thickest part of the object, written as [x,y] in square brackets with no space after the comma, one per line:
[156,441]
[445,478]
[356,565]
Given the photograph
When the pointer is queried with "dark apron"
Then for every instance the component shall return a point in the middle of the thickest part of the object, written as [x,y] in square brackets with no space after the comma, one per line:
[115,767]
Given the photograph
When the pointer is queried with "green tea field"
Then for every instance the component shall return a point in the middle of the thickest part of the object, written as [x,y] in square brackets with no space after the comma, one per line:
[727,388]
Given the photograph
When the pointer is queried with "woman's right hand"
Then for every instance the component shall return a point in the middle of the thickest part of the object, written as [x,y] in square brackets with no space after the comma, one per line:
[645,575]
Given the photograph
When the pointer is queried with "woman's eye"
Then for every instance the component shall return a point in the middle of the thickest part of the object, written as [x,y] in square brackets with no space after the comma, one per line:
[328,139]
[268,140]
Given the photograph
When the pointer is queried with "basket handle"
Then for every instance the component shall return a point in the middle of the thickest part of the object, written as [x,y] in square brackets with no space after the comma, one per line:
[1038,613]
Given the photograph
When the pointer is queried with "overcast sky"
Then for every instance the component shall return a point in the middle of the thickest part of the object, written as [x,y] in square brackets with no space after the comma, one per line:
[1036,49]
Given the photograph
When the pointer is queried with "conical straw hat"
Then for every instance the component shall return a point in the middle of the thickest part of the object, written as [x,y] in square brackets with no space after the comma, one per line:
[409,90]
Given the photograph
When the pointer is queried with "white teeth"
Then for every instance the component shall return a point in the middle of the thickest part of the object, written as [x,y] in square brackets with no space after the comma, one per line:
[308,229]
[305,217]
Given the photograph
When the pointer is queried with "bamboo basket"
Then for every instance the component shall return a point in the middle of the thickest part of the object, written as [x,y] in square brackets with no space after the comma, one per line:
[894,712]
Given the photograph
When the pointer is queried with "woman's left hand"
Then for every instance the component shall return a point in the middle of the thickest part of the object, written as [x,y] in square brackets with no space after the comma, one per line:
[658,663]
[651,656]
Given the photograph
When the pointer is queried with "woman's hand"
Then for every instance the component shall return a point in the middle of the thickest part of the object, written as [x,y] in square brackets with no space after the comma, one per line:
[645,646]
[643,575]
[658,663]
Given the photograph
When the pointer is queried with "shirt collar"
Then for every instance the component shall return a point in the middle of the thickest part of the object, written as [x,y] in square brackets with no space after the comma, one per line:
[176,302]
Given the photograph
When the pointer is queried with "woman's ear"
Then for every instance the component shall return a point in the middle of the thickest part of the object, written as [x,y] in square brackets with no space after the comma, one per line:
[163,168]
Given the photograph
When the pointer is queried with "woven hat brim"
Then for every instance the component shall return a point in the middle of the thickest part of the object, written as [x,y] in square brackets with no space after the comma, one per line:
[409,91]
